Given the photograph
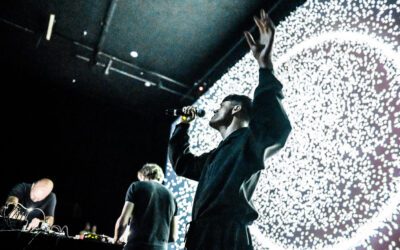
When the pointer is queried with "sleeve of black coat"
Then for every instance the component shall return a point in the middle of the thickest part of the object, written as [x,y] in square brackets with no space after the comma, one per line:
[183,162]
[269,123]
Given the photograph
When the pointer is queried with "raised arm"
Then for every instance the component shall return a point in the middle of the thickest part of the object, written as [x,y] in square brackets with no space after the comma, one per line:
[263,47]
[269,123]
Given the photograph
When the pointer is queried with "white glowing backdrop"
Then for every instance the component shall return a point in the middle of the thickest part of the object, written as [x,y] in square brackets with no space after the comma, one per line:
[336,184]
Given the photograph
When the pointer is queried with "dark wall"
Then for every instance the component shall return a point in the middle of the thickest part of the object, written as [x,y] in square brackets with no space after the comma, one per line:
[90,146]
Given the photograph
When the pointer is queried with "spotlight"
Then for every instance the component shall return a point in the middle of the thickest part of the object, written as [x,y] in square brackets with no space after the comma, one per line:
[107,70]
[50,26]
[134,54]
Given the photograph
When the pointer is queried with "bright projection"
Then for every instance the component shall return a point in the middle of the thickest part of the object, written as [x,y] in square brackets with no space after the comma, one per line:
[336,184]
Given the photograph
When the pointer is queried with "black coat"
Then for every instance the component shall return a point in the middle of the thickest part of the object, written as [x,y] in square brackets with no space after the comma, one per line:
[228,175]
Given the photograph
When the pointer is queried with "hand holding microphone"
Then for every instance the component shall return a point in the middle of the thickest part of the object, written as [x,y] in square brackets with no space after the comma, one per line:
[187,113]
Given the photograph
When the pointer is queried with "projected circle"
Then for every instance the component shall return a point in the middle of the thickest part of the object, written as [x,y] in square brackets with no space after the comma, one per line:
[336,184]
[337,171]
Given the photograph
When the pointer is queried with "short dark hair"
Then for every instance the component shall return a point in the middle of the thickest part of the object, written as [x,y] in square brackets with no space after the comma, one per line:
[244,101]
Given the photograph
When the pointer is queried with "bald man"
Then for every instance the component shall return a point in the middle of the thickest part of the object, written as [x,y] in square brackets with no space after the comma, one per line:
[37,198]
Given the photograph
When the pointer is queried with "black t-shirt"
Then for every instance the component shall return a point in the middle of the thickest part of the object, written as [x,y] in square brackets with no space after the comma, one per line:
[48,205]
[154,209]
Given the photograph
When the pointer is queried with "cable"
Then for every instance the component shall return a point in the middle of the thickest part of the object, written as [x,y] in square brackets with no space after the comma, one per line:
[30,210]
[59,229]
[19,204]
[14,214]
[4,209]
[21,213]
[66,230]
[5,216]
[36,208]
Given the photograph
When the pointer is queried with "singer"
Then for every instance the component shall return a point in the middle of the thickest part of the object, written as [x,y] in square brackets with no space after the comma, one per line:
[227,175]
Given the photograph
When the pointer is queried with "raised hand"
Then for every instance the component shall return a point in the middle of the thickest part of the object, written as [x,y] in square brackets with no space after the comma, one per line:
[263,47]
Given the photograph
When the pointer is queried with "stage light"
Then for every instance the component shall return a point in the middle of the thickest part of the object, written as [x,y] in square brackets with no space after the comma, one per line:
[134,54]
[52,19]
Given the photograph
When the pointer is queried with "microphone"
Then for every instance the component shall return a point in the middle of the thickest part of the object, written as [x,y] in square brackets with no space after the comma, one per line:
[179,112]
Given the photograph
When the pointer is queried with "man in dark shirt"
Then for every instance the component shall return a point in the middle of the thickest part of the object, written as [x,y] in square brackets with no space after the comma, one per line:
[37,200]
[227,176]
[152,210]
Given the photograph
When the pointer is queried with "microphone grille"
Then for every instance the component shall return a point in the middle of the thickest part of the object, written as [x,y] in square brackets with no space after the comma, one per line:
[201,112]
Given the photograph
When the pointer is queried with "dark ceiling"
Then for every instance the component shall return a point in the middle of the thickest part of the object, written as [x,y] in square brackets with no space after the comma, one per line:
[179,43]
[75,108]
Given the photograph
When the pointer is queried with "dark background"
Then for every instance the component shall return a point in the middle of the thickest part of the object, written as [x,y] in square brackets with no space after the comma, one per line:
[89,147]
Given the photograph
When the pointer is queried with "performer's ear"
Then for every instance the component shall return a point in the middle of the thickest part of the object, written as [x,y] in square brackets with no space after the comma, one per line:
[236,109]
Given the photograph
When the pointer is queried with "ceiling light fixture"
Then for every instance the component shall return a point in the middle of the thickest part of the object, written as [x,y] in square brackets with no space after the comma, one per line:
[134,54]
